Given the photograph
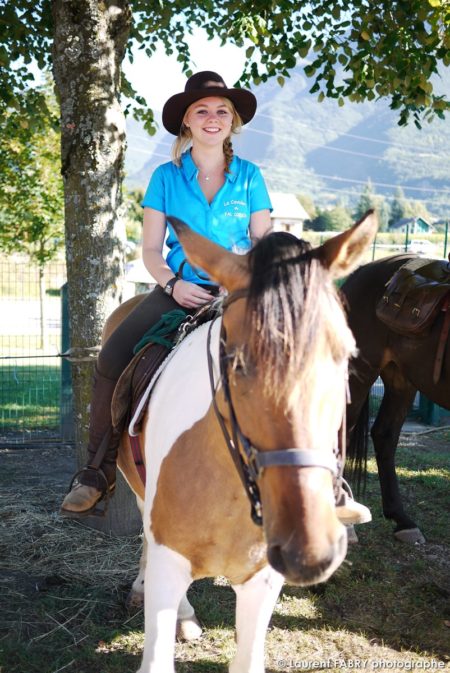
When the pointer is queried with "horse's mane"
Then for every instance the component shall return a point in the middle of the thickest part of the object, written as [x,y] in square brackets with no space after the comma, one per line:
[292,305]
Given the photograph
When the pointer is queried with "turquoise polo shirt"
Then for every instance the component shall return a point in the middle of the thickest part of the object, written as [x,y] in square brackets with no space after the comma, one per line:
[174,190]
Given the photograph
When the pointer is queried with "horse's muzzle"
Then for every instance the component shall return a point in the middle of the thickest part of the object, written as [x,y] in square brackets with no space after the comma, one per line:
[304,569]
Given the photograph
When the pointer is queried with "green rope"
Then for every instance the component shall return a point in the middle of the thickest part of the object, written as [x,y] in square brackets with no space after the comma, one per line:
[168,323]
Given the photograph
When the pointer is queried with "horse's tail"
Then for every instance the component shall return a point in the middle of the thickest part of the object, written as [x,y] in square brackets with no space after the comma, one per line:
[357,448]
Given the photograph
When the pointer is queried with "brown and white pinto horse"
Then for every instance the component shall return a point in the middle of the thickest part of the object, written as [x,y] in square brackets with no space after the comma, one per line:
[271,374]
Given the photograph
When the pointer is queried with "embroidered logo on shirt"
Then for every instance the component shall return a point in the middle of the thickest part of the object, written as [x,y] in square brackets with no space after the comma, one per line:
[233,209]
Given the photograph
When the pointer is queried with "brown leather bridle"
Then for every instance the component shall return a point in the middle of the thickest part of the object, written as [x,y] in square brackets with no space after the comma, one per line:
[250,461]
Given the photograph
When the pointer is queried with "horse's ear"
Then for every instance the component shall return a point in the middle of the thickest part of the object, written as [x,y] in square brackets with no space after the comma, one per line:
[226,268]
[342,253]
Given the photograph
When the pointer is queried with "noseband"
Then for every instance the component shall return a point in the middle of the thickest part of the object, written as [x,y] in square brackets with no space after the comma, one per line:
[250,461]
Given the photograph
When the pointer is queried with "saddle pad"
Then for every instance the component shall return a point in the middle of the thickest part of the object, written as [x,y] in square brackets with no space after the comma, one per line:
[414,296]
[134,381]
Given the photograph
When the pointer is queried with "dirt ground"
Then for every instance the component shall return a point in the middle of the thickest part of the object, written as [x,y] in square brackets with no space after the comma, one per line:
[45,470]
[63,586]
[31,480]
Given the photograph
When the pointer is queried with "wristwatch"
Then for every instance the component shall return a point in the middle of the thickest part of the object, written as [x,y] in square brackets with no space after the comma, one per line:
[168,287]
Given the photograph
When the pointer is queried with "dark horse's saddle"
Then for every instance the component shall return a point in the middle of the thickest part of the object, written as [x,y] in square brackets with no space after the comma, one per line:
[415,295]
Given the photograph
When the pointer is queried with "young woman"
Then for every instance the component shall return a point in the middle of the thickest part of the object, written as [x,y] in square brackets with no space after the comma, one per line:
[221,197]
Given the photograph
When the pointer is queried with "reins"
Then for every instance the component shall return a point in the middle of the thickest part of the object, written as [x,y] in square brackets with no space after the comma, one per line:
[251,462]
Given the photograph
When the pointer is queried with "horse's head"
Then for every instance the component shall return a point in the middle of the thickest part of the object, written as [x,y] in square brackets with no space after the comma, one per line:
[284,355]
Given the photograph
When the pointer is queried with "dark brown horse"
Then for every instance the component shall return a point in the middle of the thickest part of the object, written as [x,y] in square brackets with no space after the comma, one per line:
[405,364]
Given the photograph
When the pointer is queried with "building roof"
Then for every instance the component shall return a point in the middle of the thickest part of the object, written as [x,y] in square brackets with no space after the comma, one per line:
[287,206]
[409,220]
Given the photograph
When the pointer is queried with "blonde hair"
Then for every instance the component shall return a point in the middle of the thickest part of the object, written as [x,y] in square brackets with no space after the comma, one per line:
[184,139]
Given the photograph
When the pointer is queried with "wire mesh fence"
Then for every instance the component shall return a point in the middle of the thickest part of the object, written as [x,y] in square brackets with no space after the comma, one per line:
[35,388]
[32,407]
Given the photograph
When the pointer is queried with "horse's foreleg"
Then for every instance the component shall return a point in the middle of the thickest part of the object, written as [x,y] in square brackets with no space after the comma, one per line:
[188,627]
[167,578]
[397,399]
[255,600]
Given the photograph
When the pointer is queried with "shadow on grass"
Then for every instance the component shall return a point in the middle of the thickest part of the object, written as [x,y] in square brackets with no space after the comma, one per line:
[388,591]
[201,666]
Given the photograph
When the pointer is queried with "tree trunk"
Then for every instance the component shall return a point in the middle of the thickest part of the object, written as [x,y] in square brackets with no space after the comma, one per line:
[89,45]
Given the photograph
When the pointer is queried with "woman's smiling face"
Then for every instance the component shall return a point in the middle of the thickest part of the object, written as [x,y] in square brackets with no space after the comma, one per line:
[209,119]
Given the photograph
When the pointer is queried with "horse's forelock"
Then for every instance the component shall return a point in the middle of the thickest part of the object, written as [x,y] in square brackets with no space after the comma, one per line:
[291,307]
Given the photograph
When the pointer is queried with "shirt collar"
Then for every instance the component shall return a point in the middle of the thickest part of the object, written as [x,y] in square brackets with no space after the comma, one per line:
[191,170]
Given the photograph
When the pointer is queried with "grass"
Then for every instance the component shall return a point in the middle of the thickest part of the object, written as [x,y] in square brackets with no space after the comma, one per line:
[30,395]
[64,587]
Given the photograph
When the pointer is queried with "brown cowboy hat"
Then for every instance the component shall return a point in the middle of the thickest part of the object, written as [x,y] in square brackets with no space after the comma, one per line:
[202,85]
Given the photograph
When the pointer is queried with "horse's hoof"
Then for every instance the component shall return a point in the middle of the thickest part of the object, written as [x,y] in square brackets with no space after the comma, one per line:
[134,602]
[352,537]
[410,536]
[188,629]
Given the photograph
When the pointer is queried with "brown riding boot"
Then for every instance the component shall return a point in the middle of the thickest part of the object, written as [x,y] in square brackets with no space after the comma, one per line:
[97,479]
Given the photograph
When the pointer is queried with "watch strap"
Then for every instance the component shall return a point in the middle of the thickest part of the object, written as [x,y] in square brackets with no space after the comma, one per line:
[168,287]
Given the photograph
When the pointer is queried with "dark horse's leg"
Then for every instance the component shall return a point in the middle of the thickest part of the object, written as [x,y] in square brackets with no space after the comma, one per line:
[397,399]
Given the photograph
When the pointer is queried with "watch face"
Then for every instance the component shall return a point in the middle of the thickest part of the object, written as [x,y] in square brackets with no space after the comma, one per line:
[168,289]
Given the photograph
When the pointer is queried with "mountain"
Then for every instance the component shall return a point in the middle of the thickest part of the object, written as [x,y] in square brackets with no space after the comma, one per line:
[324,150]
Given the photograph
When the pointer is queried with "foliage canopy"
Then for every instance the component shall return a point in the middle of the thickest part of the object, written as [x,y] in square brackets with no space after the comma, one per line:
[31,189]
[358,50]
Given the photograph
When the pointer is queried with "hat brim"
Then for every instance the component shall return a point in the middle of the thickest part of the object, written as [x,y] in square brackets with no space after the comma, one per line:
[174,109]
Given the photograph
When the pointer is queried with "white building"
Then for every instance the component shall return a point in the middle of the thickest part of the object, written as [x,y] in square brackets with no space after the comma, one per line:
[288,213]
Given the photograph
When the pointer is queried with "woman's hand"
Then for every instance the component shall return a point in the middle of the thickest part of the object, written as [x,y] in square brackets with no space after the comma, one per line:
[190,295]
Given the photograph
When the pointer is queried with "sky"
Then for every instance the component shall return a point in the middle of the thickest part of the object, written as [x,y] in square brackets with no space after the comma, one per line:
[159,77]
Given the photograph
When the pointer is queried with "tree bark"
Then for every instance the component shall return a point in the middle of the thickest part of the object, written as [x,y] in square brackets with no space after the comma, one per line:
[89,45]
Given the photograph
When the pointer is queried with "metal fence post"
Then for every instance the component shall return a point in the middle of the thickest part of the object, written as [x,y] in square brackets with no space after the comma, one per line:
[428,410]
[66,408]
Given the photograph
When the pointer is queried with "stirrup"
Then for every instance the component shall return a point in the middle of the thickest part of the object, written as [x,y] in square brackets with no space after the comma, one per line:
[105,490]
[348,510]
[346,491]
